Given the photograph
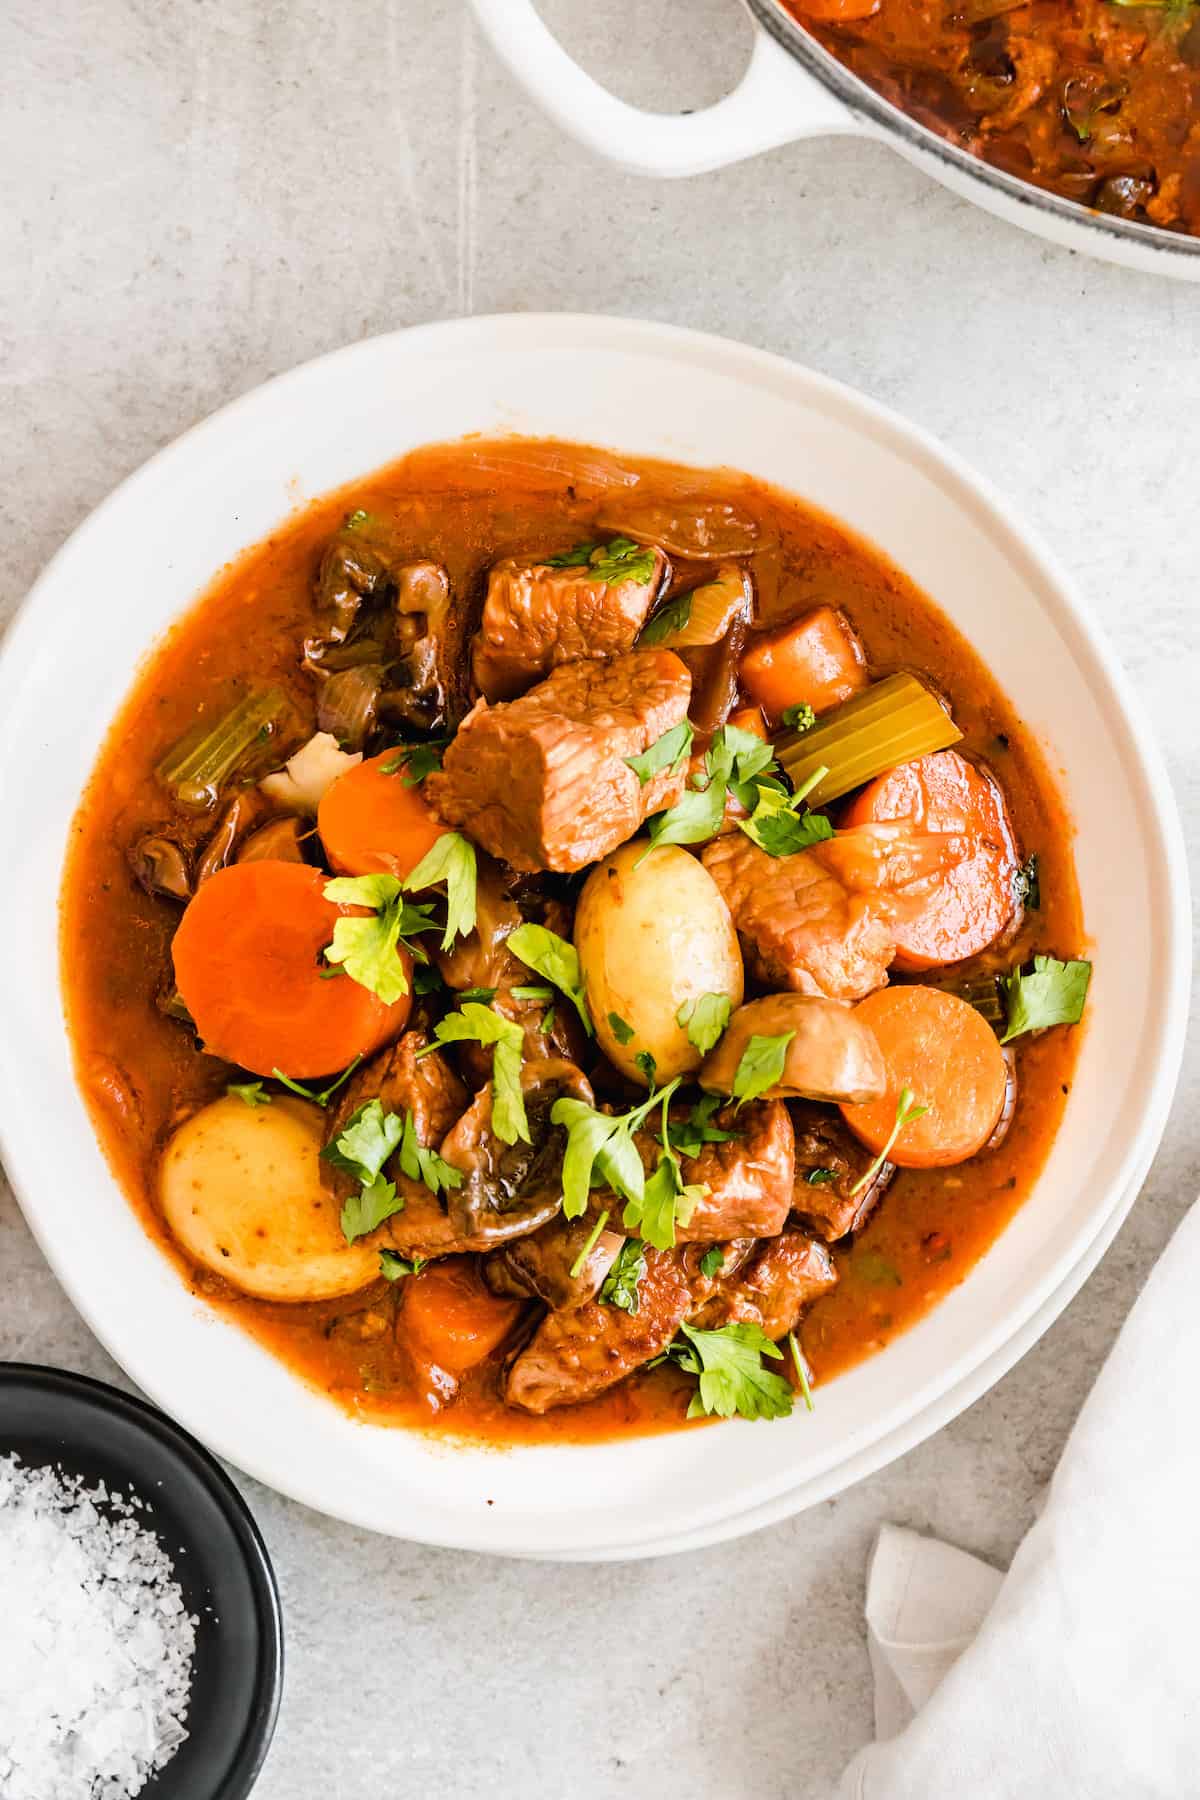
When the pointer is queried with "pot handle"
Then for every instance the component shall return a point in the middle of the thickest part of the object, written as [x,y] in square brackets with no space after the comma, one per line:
[775,102]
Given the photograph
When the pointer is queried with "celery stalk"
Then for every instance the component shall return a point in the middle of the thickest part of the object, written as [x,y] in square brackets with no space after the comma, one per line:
[199,763]
[891,722]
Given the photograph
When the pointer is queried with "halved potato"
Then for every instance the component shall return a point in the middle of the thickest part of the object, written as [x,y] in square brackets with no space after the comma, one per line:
[653,933]
[241,1189]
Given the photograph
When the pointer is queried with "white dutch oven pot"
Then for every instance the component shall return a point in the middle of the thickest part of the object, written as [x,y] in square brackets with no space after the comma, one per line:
[792,88]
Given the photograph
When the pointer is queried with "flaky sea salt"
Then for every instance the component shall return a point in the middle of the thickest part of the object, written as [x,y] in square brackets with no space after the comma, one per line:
[96,1644]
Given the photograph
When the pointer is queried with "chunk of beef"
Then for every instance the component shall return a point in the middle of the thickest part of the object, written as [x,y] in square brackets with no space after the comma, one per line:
[536,617]
[801,926]
[507,1190]
[542,1266]
[772,1289]
[826,1147]
[577,1353]
[542,783]
[748,1177]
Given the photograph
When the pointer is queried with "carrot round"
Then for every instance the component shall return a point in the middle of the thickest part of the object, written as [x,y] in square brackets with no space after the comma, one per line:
[749,718]
[949,1059]
[249,962]
[943,918]
[372,823]
[452,1318]
[816,661]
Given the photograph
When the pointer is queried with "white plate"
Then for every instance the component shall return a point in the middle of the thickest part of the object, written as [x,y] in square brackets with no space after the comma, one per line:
[651,389]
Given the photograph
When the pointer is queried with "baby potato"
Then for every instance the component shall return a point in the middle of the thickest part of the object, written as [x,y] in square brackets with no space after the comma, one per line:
[653,932]
[241,1190]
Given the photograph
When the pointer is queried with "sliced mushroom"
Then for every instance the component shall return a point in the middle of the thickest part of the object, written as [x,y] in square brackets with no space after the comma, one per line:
[161,867]
[832,1054]
[239,817]
[348,704]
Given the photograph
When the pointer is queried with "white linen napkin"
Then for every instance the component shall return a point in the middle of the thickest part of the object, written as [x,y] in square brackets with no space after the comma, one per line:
[1077,1674]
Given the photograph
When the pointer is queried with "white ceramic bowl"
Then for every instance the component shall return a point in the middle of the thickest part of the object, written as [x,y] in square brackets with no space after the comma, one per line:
[651,389]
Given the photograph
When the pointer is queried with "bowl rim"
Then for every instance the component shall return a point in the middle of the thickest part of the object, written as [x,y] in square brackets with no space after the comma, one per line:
[961,488]
[250,1753]
[787,31]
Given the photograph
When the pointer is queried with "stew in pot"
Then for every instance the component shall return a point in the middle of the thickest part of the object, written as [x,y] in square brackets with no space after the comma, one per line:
[1097,100]
[558,944]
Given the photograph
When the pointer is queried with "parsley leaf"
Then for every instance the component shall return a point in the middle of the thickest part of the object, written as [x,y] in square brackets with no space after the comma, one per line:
[366,1211]
[417,760]
[365,1141]
[761,1066]
[713,1261]
[556,959]
[704,1020]
[820,1177]
[621,1029]
[480,1025]
[367,948]
[452,860]
[690,1135]
[249,1091]
[670,751]
[777,825]
[420,1164]
[800,717]
[1051,993]
[665,1200]
[620,1287]
[649,1067]
[734,757]
[737,755]
[619,560]
[426,979]
[392,1266]
[907,1107]
[733,1378]
[666,621]
[485,995]
[601,1151]
[693,819]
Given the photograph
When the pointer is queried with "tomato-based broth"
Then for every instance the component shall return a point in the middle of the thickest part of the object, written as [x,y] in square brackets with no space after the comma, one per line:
[464,508]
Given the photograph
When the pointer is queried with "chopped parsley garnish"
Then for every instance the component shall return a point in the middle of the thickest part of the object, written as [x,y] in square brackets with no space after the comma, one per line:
[821,1177]
[556,959]
[532,993]
[366,948]
[618,560]
[479,1025]
[426,979]
[732,1375]
[251,1092]
[761,1066]
[666,621]
[484,995]
[713,1261]
[649,1067]
[620,1028]
[732,762]
[451,860]
[800,717]
[704,1020]
[324,1095]
[420,1164]
[393,1266]
[690,1135]
[620,1288]
[778,826]
[1051,993]
[601,1152]
[670,751]
[907,1108]
[417,761]
[361,1148]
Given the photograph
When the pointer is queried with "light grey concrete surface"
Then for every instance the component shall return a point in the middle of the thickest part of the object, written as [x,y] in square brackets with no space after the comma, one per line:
[197,195]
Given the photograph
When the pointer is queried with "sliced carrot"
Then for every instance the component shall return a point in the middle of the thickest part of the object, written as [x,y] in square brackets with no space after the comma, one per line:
[249,963]
[373,823]
[949,1058]
[815,660]
[749,718]
[452,1318]
[839,12]
[943,918]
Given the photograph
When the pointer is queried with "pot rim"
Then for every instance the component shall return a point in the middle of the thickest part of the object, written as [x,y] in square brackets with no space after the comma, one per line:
[855,93]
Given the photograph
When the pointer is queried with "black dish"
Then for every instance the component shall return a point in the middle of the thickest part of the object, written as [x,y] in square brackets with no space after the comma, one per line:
[221,1564]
